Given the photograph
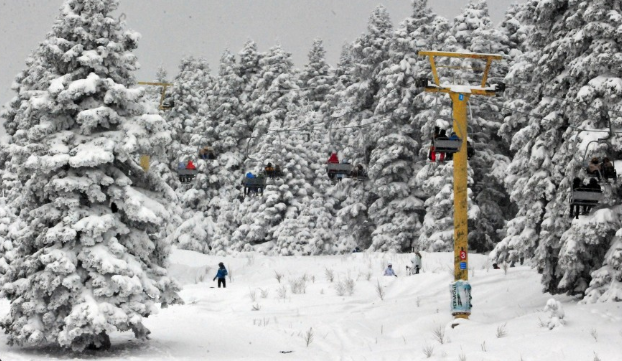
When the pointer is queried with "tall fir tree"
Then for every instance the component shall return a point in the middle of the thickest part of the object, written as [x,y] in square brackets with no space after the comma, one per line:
[574,65]
[89,242]
[317,78]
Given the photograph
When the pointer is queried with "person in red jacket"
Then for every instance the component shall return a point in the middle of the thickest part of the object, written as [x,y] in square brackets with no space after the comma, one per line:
[333,159]
[191,165]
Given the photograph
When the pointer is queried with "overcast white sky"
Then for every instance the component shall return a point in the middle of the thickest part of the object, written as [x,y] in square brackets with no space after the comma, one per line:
[172,29]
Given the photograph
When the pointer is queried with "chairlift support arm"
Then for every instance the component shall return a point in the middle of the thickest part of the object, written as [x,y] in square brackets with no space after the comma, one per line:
[163,85]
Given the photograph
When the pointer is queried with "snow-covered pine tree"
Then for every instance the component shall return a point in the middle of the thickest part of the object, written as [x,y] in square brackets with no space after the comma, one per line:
[395,160]
[283,198]
[248,70]
[576,77]
[522,230]
[317,78]
[474,32]
[316,217]
[272,98]
[355,108]
[89,242]
[222,129]
[191,87]
[433,181]
[437,232]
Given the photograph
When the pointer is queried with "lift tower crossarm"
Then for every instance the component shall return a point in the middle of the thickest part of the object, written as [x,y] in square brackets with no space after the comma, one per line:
[163,85]
[460,94]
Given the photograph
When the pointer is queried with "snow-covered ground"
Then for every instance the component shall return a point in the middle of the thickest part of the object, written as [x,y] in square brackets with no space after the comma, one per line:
[253,320]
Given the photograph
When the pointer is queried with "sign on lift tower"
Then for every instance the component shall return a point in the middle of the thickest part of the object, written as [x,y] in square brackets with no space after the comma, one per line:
[461,289]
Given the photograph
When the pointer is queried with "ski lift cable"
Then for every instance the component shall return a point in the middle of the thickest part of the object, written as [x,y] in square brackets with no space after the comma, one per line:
[316,125]
[542,118]
[552,97]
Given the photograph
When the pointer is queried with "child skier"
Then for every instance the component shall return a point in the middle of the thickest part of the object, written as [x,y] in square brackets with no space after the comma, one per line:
[221,275]
[389,271]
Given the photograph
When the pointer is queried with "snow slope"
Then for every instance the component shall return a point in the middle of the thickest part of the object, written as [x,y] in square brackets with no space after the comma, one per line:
[220,324]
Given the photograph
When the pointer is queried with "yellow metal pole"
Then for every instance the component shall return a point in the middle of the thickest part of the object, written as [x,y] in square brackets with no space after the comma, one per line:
[461,291]
[162,97]
[461,230]
[434,72]
[144,162]
[485,78]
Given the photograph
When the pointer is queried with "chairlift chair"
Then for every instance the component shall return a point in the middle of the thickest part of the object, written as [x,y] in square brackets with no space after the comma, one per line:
[586,196]
[358,173]
[338,170]
[273,171]
[254,185]
[187,175]
[207,153]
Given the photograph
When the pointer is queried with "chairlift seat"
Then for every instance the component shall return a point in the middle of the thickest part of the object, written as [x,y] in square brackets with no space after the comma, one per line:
[586,196]
[258,182]
[187,172]
[186,175]
[339,168]
[447,145]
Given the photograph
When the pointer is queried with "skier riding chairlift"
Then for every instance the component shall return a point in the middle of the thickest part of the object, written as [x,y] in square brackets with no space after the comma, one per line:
[186,172]
[586,196]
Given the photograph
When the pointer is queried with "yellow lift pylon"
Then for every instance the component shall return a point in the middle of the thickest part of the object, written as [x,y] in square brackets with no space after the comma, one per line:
[164,86]
[460,94]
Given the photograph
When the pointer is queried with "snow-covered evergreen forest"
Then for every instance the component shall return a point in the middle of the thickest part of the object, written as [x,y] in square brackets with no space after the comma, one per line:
[85,231]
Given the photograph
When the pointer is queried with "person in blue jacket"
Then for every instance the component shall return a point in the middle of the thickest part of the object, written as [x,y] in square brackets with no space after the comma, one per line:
[389,271]
[221,275]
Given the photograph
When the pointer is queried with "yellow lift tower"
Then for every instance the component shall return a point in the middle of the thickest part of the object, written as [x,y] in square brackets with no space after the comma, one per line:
[163,93]
[460,94]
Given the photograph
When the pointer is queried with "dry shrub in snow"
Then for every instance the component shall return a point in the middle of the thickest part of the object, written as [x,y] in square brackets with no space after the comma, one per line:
[428,350]
[309,337]
[263,293]
[439,334]
[299,285]
[345,287]
[281,292]
[330,275]
[380,290]
[501,331]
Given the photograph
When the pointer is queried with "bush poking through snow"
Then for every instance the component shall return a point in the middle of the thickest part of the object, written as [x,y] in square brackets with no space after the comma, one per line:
[596,358]
[278,276]
[256,307]
[252,294]
[555,313]
[330,275]
[380,290]
[501,331]
[428,350]
[298,286]
[263,293]
[439,334]
[594,334]
[282,292]
[462,357]
[345,287]
[308,336]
